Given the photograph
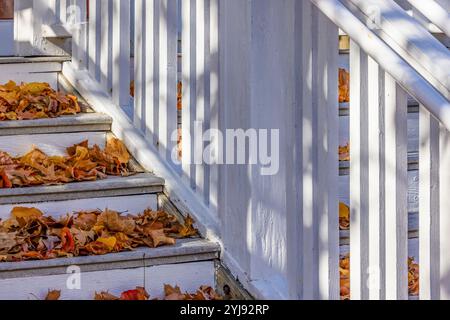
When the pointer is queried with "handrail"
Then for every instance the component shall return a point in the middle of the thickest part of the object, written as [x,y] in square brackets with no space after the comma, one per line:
[401,71]
[406,36]
[433,12]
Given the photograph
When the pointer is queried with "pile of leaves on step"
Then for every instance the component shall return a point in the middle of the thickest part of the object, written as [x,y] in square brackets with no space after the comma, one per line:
[344,86]
[29,235]
[81,163]
[34,100]
[344,271]
[140,294]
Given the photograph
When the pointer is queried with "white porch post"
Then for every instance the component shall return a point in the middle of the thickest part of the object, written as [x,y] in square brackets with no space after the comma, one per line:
[261,79]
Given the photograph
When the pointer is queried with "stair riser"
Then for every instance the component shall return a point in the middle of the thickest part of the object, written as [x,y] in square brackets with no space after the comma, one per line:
[31,72]
[189,276]
[128,205]
[51,144]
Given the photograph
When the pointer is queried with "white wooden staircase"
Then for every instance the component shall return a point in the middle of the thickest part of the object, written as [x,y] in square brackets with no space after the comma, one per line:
[189,264]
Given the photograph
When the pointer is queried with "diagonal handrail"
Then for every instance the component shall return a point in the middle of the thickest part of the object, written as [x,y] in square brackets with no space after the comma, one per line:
[434,12]
[406,36]
[390,61]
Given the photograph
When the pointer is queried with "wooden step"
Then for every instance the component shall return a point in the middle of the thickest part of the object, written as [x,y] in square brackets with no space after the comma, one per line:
[126,275]
[83,122]
[143,183]
[42,69]
[53,144]
[133,204]
[185,250]
[21,60]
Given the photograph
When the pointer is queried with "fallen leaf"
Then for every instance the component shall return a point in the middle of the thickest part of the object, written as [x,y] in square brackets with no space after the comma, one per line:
[159,238]
[85,220]
[344,216]
[173,293]
[7,242]
[106,296]
[117,149]
[344,152]
[53,295]
[344,86]
[67,241]
[23,212]
[109,242]
[114,222]
[137,294]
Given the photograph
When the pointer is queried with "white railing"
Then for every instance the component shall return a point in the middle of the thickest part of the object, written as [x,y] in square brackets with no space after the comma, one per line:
[380,81]
[104,50]
[275,65]
[435,11]
[102,57]
[40,26]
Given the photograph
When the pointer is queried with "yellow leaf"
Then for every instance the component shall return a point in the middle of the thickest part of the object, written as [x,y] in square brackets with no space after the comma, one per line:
[10,97]
[344,211]
[23,212]
[35,87]
[110,242]
[11,115]
[11,85]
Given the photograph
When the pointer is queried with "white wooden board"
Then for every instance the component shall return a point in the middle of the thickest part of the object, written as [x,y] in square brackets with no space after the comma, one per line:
[52,144]
[50,77]
[413,190]
[189,276]
[32,68]
[128,205]
[7,37]
[413,131]
[413,249]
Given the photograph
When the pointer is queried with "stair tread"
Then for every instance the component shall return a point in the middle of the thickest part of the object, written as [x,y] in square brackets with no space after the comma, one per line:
[15,60]
[185,250]
[69,120]
[135,184]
